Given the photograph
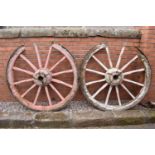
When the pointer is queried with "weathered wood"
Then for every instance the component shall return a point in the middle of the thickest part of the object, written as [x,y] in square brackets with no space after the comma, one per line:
[114,77]
[42,77]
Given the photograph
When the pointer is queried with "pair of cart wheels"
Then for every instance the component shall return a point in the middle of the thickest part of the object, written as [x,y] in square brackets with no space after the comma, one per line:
[49,80]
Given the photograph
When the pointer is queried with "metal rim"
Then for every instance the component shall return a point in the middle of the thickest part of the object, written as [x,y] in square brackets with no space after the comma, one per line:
[42,77]
[110,81]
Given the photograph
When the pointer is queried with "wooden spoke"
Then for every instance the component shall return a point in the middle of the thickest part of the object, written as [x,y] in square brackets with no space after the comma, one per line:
[100,63]
[93,82]
[120,57]
[118,95]
[28,90]
[134,82]
[99,90]
[48,95]
[126,65]
[57,92]
[37,95]
[23,70]
[62,82]
[127,90]
[108,95]
[134,71]
[29,62]
[38,55]
[94,71]
[23,81]
[62,59]
[62,72]
[109,57]
[48,57]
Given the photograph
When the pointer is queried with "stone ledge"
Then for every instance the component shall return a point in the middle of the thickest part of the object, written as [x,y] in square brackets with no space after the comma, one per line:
[70,32]
[71,117]
[76,119]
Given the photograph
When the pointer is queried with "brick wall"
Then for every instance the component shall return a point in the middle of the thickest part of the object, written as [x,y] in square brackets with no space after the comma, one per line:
[77,46]
[147,44]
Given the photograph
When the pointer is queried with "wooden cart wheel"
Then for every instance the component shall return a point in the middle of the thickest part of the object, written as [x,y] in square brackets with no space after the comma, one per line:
[115,87]
[42,84]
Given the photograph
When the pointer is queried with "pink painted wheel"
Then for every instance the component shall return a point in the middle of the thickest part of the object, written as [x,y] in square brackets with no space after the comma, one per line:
[42,79]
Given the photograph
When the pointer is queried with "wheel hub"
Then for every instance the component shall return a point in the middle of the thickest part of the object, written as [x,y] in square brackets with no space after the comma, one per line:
[114,76]
[42,77]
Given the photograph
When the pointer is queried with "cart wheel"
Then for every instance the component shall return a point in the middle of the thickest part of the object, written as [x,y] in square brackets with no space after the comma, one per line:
[118,87]
[42,80]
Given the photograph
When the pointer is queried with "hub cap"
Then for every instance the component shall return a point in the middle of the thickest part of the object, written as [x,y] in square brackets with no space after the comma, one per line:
[42,77]
[114,76]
